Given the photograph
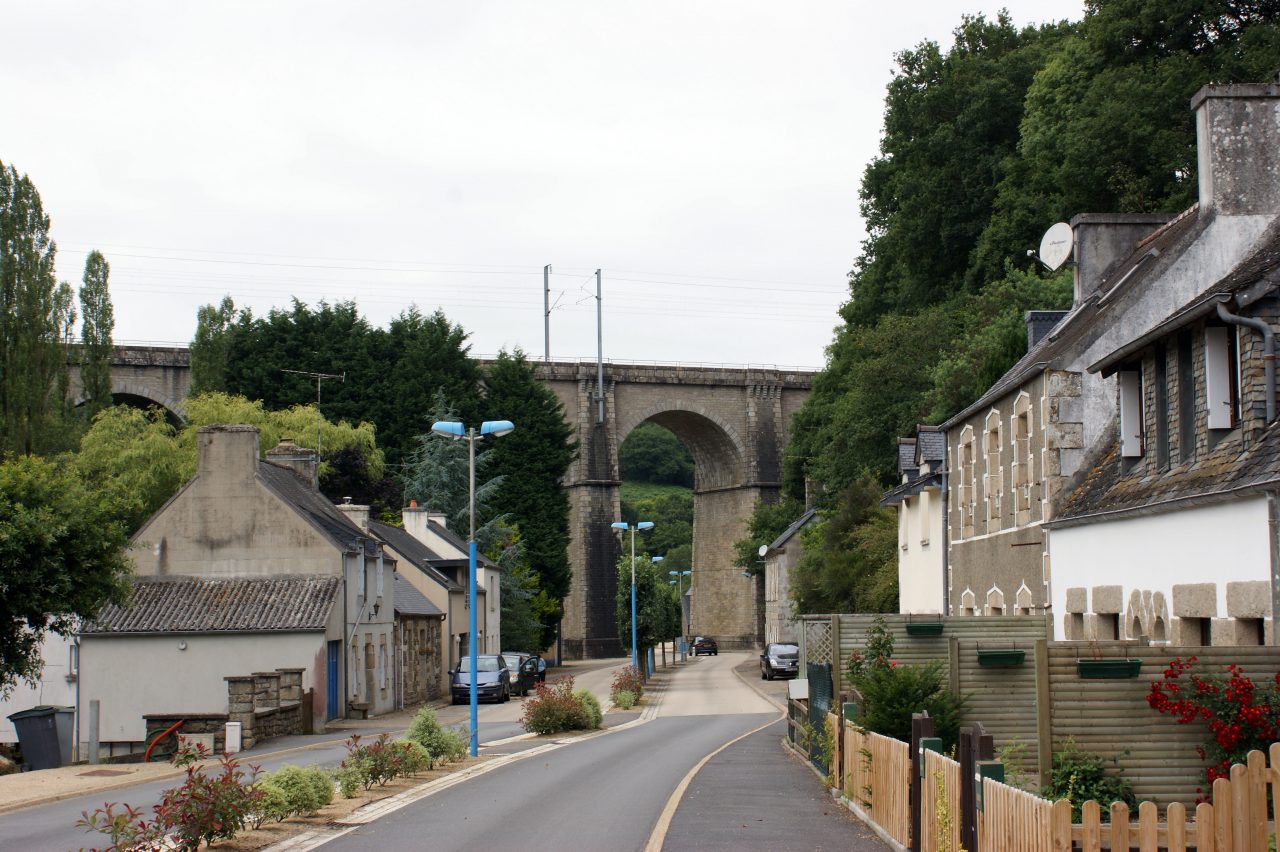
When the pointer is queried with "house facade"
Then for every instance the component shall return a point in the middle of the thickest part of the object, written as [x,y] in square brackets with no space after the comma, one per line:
[1015,455]
[253,531]
[780,558]
[919,500]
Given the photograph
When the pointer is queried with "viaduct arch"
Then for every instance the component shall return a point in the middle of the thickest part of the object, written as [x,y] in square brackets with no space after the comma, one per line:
[734,420]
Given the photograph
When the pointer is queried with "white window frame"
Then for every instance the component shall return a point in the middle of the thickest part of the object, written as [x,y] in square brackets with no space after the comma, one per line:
[1217,377]
[1129,391]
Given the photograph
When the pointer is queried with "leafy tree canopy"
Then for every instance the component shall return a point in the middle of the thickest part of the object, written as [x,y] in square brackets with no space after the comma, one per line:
[653,454]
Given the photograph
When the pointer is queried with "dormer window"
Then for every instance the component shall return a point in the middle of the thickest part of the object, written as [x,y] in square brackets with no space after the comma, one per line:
[1130,382]
[1221,369]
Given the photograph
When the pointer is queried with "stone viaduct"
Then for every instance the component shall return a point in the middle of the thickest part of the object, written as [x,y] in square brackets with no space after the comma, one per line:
[734,420]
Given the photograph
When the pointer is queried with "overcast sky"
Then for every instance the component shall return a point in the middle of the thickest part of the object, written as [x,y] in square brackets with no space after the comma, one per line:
[705,155]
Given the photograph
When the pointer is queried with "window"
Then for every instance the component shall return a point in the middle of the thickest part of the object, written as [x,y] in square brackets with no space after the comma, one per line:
[1022,461]
[922,514]
[1220,367]
[361,585]
[967,482]
[1130,413]
[994,482]
[379,583]
[382,665]
[1186,398]
[1162,407]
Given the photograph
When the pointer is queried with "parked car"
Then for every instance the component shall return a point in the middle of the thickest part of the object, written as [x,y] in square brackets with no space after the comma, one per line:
[493,682]
[524,671]
[780,659]
[705,645]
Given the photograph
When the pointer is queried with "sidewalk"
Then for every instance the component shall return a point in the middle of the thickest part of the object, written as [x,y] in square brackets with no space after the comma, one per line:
[25,789]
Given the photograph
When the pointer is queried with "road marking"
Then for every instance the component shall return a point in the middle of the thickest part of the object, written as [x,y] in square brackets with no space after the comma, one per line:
[659,834]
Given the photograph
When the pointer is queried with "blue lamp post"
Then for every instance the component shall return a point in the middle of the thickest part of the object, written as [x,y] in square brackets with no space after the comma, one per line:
[642,525]
[453,429]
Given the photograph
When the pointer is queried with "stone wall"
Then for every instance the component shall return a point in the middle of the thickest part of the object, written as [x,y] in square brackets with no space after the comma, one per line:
[418,648]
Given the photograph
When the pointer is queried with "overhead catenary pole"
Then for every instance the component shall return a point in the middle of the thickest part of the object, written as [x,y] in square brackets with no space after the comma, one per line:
[546,312]
[599,354]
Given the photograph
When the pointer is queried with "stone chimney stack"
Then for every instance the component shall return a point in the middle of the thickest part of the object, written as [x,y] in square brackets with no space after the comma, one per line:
[228,453]
[358,515]
[1039,324]
[1238,148]
[301,460]
[1103,240]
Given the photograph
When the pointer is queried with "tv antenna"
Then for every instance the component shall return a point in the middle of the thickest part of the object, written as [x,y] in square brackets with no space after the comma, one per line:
[319,377]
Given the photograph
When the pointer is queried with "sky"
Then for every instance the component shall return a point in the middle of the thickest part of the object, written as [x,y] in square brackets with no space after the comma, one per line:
[705,156]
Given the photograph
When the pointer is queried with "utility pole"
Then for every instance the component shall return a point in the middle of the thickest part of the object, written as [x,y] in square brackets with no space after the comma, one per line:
[319,377]
[546,311]
[599,354]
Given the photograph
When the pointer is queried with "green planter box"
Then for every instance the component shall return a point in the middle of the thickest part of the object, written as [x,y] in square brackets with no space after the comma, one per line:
[1001,658]
[924,628]
[1102,669]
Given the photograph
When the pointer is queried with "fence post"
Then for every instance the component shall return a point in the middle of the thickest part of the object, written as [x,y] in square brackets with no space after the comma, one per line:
[975,744]
[1044,718]
[921,727]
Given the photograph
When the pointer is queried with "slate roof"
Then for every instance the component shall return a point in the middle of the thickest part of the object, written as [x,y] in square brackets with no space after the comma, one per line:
[907,457]
[790,531]
[931,445]
[410,601]
[911,488]
[449,536]
[221,605]
[1121,278]
[315,508]
[1227,471]
[415,552]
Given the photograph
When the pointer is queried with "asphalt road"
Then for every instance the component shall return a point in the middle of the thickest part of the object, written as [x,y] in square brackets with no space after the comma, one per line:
[52,826]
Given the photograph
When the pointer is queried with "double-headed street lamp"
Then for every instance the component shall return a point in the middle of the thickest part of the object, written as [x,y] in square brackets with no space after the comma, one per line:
[453,429]
[642,525]
[678,582]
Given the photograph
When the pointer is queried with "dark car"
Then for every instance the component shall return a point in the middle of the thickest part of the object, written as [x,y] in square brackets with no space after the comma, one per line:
[524,671]
[705,645]
[780,659]
[492,684]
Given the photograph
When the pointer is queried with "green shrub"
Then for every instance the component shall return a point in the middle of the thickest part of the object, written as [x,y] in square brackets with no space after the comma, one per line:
[561,708]
[1079,776]
[624,699]
[306,790]
[444,745]
[350,779]
[413,757]
[273,806]
[592,717]
[631,680]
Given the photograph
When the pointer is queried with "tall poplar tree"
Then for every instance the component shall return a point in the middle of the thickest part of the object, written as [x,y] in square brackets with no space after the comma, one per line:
[211,346]
[35,312]
[97,322]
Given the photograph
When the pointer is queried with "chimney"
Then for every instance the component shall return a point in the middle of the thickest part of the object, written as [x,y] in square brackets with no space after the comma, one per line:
[1039,324]
[1237,134]
[358,515]
[228,453]
[300,460]
[1103,240]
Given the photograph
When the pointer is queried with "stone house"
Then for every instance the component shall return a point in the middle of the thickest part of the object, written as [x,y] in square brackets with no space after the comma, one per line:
[1171,533]
[1014,454]
[418,662]
[919,500]
[780,557]
[248,568]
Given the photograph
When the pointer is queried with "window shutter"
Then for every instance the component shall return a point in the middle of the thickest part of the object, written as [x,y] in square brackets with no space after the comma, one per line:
[1217,377]
[1130,413]
[381,572]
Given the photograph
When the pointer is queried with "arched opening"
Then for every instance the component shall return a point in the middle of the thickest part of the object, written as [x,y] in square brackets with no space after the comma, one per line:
[142,402]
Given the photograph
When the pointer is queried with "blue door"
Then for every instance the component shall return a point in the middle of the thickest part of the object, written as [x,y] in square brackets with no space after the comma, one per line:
[335,648]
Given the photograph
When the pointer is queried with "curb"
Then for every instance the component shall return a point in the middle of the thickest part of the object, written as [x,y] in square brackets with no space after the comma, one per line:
[758,691]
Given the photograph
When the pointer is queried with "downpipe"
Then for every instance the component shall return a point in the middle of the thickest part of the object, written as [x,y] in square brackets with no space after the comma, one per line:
[1268,353]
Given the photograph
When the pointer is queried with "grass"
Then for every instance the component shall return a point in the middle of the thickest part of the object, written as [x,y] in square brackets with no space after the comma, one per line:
[634,492]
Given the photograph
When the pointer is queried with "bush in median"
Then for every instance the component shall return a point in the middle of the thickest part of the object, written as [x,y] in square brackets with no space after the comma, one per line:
[561,708]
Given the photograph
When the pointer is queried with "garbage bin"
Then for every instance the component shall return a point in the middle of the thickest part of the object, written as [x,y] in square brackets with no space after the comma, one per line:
[45,734]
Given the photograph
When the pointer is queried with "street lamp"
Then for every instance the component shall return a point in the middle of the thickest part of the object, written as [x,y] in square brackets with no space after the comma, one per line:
[678,582]
[453,429]
[642,525]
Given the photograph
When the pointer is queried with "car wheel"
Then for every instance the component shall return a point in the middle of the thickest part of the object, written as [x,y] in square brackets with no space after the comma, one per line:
[763,676]
[506,695]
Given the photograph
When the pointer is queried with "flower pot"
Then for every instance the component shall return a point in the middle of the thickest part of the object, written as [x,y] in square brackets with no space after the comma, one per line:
[1001,658]
[924,628]
[1102,669]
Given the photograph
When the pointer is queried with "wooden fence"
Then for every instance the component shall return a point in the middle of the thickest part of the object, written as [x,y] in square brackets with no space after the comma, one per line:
[876,774]
[940,806]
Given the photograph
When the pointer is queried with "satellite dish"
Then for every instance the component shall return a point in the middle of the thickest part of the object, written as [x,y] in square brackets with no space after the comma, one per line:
[764,548]
[1056,245]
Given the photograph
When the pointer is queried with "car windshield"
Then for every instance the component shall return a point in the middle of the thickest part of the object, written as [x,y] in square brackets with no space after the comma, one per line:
[784,650]
[483,664]
[514,658]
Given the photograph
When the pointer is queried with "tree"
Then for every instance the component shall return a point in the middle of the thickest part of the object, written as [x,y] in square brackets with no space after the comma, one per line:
[61,558]
[36,314]
[347,474]
[211,346]
[653,454]
[767,522]
[97,319]
[657,608]
[533,462]
[672,517]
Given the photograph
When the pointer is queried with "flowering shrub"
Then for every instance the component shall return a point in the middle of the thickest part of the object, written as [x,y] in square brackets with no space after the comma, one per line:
[379,762]
[1241,715]
[630,680]
[560,708]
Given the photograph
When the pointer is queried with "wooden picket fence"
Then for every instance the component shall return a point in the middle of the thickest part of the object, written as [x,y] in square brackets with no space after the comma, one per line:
[940,807]
[877,775]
